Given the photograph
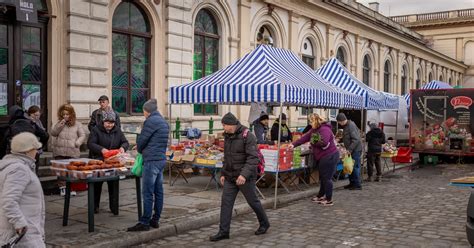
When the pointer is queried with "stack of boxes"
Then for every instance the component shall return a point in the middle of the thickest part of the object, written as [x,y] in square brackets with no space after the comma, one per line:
[272,157]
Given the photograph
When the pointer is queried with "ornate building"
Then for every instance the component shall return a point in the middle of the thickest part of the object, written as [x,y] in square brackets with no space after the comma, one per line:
[134,50]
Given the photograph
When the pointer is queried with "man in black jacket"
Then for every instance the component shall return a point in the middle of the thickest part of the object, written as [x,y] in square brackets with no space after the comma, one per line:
[239,174]
[101,139]
[375,139]
[285,130]
[98,115]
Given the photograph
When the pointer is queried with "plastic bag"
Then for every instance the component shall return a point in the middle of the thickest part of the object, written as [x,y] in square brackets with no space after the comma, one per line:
[138,165]
[348,164]
[110,153]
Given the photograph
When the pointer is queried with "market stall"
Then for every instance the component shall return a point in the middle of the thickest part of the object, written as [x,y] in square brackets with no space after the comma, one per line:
[268,75]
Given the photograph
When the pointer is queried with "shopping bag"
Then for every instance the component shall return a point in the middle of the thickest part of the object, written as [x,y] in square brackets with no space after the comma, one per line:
[348,164]
[138,165]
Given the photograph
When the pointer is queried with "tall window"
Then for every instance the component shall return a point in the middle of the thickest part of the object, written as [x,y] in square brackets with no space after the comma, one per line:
[206,54]
[340,55]
[441,78]
[130,58]
[308,53]
[430,77]
[366,70]
[386,76]
[449,81]
[418,78]
[404,80]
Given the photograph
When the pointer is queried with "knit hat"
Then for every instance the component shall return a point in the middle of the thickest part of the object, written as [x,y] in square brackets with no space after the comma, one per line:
[230,119]
[263,116]
[341,117]
[24,142]
[109,116]
[150,106]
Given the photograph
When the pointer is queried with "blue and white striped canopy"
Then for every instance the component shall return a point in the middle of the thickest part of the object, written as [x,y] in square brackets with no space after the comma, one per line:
[334,72]
[269,75]
[433,85]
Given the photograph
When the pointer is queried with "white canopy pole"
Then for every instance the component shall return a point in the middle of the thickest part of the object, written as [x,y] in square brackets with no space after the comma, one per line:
[278,152]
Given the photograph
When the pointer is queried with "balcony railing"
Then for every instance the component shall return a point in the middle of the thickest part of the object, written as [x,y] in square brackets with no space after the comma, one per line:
[445,15]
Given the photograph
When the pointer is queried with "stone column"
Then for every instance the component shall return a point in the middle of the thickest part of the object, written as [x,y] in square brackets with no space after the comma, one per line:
[245,47]
[381,64]
[358,59]
[396,85]
[295,47]
[330,33]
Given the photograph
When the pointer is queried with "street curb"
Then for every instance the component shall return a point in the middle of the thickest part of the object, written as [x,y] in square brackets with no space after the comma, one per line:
[206,219]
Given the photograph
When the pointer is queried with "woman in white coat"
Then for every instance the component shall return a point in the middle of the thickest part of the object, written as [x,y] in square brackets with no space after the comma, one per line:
[22,206]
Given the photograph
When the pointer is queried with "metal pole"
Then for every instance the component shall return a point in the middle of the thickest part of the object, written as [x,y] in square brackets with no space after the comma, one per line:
[169,123]
[278,152]
[396,128]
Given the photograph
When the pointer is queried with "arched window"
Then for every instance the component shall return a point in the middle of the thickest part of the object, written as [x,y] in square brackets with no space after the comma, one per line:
[366,68]
[450,81]
[418,78]
[130,58]
[265,36]
[340,55]
[308,53]
[386,76]
[430,77]
[441,78]
[404,80]
[206,54]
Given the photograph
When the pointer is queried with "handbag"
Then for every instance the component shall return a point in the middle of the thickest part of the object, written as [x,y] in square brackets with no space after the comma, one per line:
[348,164]
[138,165]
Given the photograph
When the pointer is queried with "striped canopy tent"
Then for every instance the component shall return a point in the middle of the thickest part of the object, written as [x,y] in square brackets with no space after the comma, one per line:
[334,72]
[433,85]
[265,75]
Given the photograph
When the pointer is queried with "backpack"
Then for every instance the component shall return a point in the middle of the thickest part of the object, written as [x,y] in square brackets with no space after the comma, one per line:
[261,159]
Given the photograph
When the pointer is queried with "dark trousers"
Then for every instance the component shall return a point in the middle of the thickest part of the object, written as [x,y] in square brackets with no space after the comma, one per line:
[374,158]
[113,193]
[327,167]
[230,191]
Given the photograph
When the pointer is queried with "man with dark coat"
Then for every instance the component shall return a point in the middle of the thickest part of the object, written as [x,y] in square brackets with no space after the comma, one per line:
[260,128]
[285,130]
[98,115]
[375,139]
[152,143]
[101,139]
[239,174]
[353,144]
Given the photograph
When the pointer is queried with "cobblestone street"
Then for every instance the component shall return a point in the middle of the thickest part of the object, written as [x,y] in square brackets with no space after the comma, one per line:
[407,209]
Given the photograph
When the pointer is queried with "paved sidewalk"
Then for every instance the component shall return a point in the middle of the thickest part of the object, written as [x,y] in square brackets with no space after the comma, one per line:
[186,207]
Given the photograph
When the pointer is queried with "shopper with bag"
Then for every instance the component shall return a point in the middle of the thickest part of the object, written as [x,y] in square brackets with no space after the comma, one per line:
[152,143]
[325,154]
[353,144]
[102,140]
[22,207]
[239,173]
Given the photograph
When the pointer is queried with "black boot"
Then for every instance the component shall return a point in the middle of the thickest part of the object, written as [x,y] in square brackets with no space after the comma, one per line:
[154,223]
[138,228]
[262,229]
[219,236]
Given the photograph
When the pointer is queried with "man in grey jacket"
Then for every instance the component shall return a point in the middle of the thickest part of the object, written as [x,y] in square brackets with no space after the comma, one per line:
[353,144]
[22,206]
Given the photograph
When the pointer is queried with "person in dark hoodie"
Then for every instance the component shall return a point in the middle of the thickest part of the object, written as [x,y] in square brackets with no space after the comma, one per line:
[285,130]
[102,138]
[325,156]
[239,173]
[260,128]
[375,139]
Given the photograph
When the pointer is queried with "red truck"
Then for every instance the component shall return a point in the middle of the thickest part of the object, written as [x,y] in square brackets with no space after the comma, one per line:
[442,122]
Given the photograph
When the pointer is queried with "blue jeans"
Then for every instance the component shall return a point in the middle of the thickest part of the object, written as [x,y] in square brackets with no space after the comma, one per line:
[354,177]
[152,190]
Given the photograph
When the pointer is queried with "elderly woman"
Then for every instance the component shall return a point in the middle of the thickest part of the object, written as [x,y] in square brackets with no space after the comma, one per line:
[22,206]
[325,155]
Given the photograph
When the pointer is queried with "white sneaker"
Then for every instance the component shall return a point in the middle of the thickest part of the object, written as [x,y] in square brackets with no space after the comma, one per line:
[62,190]
[73,193]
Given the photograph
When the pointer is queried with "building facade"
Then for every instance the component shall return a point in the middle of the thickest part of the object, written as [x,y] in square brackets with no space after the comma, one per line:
[134,50]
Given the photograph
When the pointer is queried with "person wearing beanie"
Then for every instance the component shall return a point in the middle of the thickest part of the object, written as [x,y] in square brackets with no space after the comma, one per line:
[101,140]
[152,143]
[375,139]
[239,173]
[285,130]
[353,144]
[97,115]
[22,207]
[260,128]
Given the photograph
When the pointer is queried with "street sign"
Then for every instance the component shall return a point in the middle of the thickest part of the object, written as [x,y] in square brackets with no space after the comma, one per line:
[26,11]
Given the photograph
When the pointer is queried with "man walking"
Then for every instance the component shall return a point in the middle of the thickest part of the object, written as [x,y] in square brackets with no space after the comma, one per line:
[375,139]
[353,144]
[152,143]
[239,174]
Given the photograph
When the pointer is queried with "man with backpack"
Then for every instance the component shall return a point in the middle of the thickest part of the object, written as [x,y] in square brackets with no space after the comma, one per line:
[239,174]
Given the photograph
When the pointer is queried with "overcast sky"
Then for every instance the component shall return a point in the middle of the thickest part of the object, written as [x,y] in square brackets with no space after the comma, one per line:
[405,7]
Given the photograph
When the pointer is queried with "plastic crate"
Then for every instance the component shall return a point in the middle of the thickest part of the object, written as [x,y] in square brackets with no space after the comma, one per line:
[403,155]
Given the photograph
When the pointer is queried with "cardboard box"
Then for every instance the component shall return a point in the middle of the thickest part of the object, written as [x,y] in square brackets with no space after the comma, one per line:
[188,158]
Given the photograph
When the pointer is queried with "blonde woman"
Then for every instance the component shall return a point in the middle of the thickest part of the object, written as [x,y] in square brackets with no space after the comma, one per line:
[69,134]
[325,155]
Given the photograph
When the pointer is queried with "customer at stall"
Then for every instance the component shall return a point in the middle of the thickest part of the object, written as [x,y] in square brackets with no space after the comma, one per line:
[152,143]
[22,207]
[239,174]
[97,115]
[285,130]
[102,139]
[34,114]
[325,153]
[375,139]
[353,144]
[260,128]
